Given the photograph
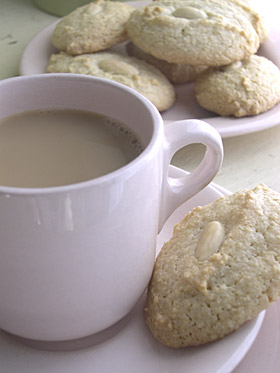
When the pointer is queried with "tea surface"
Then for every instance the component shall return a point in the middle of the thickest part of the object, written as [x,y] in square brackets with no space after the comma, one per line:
[61,147]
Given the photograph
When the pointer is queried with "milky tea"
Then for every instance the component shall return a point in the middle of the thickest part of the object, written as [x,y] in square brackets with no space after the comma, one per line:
[50,148]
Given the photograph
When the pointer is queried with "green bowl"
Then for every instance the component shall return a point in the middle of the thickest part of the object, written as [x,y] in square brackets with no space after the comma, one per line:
[59,7]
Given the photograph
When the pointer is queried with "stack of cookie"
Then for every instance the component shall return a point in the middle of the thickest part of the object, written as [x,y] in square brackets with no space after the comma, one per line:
[84,38]
[211,42]
[223,35]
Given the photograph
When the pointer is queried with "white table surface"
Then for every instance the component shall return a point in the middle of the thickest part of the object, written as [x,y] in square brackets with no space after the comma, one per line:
[249,160]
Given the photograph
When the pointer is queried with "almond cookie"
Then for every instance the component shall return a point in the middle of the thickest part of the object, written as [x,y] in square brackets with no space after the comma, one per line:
[219,270]
[252,13]
[92,27]
[177,73]
[243,88]
[255,17]
[130,71]
[195,32]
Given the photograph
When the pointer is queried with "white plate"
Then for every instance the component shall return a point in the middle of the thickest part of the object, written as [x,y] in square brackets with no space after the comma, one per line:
[128,346]
[36,55]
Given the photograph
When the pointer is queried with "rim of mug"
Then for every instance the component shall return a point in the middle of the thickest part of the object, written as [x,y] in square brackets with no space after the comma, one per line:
[107,178]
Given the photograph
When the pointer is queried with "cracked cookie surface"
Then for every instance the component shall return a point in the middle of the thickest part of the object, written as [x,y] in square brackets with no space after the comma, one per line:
[243,88]
[92,27]
[196,32]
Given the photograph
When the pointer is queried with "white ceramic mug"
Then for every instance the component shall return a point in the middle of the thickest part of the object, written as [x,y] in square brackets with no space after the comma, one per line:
[75,259]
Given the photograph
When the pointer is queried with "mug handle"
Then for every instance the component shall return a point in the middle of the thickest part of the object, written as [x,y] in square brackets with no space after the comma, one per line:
[178,134]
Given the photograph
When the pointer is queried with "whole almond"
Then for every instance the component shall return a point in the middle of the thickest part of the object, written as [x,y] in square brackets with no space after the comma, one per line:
[210,240]
[117,67]
[189,12]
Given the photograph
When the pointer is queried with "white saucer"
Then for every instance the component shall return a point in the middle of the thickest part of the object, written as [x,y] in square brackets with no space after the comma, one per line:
[128,346]
[36,55]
